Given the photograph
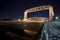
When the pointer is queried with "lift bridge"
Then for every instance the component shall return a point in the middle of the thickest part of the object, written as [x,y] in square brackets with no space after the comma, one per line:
[39,8]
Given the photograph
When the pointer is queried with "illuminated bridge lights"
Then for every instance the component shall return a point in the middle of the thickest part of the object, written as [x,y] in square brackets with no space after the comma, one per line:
[41,19]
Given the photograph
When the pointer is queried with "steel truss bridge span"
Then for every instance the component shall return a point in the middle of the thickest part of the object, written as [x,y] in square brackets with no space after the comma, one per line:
[39,8]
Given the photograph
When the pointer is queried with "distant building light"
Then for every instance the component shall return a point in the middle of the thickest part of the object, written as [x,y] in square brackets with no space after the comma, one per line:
[19,19]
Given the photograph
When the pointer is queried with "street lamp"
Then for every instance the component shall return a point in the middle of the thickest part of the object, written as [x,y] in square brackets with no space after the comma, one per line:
[56,18]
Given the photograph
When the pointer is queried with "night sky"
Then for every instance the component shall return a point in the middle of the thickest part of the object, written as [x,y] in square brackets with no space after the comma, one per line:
[15,8]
